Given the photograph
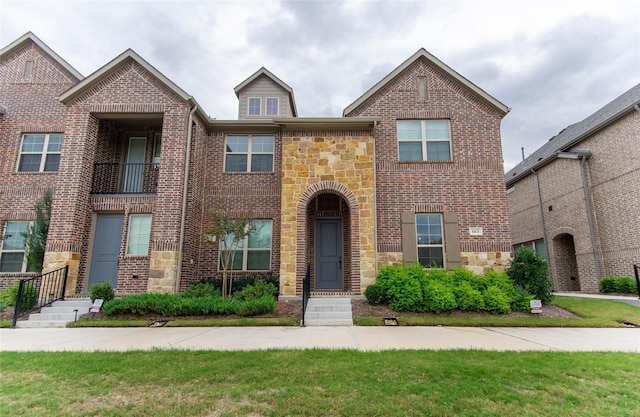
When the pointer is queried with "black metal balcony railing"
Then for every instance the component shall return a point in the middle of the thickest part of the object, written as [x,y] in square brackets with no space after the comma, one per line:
[115,178]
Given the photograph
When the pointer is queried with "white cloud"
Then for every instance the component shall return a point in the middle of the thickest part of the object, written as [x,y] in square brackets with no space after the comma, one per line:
[553,62]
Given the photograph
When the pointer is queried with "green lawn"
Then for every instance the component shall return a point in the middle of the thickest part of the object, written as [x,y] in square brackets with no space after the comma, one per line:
[320,383]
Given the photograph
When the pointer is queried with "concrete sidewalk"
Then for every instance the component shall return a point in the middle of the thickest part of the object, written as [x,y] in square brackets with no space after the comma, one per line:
[631,300]
[345,337]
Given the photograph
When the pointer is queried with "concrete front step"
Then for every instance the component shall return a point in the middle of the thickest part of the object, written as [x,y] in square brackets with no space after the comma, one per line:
[329,312]
[58,315]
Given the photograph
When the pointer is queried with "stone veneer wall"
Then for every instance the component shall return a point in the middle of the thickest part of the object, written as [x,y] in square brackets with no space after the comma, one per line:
[337,162]
[478,262]
[163,271]
[57,260]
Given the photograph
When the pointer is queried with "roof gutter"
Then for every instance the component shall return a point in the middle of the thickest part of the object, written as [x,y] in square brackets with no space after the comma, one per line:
[187,160]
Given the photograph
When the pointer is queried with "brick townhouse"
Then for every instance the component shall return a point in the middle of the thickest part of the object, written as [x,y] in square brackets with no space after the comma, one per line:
[412,171]
[576,200]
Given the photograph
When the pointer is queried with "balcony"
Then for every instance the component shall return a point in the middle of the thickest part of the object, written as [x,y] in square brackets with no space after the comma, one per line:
[115,178]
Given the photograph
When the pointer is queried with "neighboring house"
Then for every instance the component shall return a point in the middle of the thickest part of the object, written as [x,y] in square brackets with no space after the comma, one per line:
[577,198]
[412,172]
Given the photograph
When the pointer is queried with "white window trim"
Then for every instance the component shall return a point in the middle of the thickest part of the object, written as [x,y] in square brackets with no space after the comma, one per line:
[431,245]
[23,268]
[266,101]
[157,148]
[245,251]
[249,153]
[423,140]
[131,217]
[249,106]
[43,154]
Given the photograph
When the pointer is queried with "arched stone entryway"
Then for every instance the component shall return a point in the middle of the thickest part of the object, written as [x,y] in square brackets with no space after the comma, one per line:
[326,206]
[566,266]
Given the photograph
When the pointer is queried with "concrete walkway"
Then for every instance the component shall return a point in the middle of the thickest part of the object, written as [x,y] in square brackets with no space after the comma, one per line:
[631,300]
[345,337]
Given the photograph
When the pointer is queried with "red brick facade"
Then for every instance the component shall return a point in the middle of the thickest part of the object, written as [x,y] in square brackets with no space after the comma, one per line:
[356,157]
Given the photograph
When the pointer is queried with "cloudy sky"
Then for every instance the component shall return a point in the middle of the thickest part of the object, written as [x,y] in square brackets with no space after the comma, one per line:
[552,62]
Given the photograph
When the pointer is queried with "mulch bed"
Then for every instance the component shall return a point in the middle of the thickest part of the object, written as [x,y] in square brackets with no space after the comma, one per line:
[361,308]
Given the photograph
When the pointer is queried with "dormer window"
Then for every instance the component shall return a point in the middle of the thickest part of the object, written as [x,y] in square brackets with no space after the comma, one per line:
[255,104]
[271,108]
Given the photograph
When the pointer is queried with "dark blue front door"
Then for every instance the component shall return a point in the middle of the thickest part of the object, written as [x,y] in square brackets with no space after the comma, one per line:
[106,249]
[329,254]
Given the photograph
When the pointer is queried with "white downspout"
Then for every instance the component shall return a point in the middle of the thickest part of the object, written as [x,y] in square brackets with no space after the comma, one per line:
[185,185]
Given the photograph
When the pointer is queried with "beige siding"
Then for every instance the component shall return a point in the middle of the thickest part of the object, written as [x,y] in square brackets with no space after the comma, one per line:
[263,87]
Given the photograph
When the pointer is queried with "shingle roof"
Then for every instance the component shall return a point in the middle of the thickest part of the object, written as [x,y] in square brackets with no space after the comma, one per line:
[575,133]
[423,54]
[30,37]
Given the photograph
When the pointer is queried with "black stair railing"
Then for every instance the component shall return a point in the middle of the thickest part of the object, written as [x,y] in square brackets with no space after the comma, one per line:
[37,292]
[636,270]
[306,292]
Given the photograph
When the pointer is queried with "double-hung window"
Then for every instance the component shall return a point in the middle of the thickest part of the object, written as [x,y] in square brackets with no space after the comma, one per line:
[430,240]
[271,107]
[254,251]
[249,153]
[139,234]
[14,248]
[255,105]
[424,140]
[40,152]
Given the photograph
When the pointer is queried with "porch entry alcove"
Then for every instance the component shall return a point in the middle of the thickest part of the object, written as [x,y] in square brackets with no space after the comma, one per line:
[328,244]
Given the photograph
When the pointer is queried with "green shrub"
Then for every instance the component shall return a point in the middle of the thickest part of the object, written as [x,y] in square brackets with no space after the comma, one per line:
[201,289]
[404,292]
[468,298]
[626,285]
[178,305]
[254,306]
[463,275]
[529,271]
[239,283]
[102,291]
[522,300]
[257,290]
[607,284]
[496,301]
[438,297]
[386,274]
[29,297]
[375,295]
[8,296]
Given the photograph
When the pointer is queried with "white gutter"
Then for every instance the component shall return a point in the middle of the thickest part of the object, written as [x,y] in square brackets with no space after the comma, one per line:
[187,159]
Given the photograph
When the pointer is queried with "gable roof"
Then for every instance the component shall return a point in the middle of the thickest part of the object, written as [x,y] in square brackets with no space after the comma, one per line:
[30,37]
[575,133]
[422,53]
[269,74]
[114,65]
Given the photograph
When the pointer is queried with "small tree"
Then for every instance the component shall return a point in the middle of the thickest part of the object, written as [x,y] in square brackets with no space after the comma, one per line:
[228,229]
[36,236]
[529,271]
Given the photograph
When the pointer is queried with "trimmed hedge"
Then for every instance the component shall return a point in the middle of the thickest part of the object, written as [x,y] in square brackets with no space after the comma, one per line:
[624,285]
[175,305]
[414,289]
[199,299]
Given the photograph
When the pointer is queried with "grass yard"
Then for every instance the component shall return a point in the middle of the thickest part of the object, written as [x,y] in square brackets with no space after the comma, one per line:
[320,383]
